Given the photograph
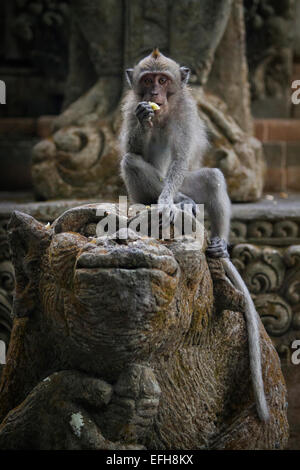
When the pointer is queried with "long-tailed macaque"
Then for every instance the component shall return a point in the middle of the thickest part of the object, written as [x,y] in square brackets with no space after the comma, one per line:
[158,146]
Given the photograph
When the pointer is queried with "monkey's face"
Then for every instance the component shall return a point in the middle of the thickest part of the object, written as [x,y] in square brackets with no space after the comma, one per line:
[155,87]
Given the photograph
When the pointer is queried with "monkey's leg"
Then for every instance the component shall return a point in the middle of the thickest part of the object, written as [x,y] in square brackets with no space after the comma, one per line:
[208,186]
[144,183]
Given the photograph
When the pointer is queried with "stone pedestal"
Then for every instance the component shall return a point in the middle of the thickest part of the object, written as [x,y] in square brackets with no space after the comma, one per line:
[128,343]
[265,239]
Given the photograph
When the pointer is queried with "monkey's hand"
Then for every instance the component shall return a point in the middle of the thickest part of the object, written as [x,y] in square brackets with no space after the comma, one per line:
[185,203]
[144,113]
[217,248]
[168,211]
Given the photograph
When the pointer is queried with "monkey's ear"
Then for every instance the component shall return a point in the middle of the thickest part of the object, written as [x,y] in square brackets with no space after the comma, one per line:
[185,74]
[129,76]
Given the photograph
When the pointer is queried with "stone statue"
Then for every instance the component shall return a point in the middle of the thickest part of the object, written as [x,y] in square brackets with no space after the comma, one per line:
[7,285]
[270,40]
[81,158]
[128,344]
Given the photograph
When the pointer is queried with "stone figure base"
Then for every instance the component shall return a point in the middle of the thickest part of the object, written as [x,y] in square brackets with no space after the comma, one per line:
[126,344]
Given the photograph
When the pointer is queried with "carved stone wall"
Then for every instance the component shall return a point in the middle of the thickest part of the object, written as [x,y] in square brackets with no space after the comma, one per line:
[35,39]
[7,283]
[34,55]
[272,275]
[270,34]
[266,250]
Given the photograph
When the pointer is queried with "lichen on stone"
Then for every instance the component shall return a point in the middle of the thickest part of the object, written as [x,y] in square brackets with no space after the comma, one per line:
[77,423]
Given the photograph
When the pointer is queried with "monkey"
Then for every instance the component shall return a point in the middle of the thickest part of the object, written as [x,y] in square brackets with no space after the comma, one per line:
[157,148]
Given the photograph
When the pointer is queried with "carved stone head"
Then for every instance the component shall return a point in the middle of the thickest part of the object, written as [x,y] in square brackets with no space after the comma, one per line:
[102,303]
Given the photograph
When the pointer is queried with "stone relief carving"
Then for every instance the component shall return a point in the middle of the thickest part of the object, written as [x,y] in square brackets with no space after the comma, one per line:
[7,284]
[277,232]
[270,51]
[273,277]
[92,102]
[236,153]
[41,30]
[80,161]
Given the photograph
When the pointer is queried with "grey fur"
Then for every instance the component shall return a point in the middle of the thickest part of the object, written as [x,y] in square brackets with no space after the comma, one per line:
[156,166]
[253,338]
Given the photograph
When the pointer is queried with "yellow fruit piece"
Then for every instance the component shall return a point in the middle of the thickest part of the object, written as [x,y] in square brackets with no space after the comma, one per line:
[154,106]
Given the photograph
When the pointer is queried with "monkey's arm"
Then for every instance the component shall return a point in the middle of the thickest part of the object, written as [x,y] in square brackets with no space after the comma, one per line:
[134,139]
[171,190]
[181,150]
[144,182]
[173,180]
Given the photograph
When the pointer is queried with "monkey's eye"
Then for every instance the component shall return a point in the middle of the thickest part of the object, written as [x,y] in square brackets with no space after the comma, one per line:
[162,80]
[148,81]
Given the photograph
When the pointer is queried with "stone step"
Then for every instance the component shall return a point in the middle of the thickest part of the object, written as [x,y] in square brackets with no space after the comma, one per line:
[248,219]
[270,130]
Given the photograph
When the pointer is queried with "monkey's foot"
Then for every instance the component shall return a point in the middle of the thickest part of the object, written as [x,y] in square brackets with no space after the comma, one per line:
[217,248]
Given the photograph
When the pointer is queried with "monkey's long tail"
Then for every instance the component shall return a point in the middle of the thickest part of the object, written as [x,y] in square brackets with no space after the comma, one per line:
[253,338]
